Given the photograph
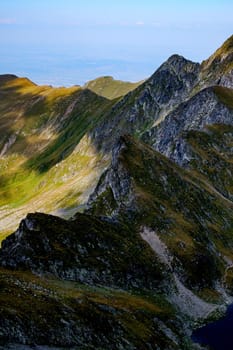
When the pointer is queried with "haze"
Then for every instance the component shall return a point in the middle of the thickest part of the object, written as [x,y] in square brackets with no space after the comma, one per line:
[67,42]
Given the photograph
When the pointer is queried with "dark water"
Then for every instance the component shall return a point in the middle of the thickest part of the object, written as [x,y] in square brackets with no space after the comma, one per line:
[217,335]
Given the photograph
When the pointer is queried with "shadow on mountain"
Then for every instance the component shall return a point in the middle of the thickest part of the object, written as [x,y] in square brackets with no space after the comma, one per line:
[86,112]
[45,124]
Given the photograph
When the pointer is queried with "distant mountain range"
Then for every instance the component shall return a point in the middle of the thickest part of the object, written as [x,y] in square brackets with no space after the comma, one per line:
[143,173]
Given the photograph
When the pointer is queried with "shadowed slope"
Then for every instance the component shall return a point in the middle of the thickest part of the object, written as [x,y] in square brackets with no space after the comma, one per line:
[66,314]
[195,223]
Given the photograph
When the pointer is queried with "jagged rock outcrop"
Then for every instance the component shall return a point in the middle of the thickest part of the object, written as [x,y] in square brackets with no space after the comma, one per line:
[87,249]
[201,111]
[115,190]
[167,90]
[140,109]
[183,211]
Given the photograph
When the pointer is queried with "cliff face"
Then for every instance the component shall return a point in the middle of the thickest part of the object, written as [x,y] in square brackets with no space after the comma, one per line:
[196,114]
[149,103]
[178,84]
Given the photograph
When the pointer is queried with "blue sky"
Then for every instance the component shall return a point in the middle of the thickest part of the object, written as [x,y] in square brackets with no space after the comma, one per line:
[67,42]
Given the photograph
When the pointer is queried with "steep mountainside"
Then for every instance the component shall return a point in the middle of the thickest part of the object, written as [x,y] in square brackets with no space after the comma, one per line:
[110,88]
[206,108]
[218,69]
[149,103]
[145,188]
[70,315]
[151,255]
[47,161]
[91,251]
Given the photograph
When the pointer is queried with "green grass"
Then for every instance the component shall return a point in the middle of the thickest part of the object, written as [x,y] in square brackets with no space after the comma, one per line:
[219,64]
[101,243]
[110,314]
[110,88]
[49,123]
[179,206]
[225,95]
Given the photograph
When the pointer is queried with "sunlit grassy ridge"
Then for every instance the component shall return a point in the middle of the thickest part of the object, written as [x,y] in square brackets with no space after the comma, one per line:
[218,65]
[110,88]
[43,164]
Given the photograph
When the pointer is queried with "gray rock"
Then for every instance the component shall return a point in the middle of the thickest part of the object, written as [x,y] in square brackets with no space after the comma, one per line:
[196,114]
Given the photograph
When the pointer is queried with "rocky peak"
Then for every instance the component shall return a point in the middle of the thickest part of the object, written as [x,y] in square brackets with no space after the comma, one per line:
[176,74]
[181,66]
[115,186]
[149,103]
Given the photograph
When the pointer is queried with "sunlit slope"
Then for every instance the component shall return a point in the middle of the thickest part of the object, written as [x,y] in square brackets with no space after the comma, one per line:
[43,164]
[111,88]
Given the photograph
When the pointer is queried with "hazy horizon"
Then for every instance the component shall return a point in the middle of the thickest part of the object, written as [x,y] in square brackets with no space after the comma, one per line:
[71,42]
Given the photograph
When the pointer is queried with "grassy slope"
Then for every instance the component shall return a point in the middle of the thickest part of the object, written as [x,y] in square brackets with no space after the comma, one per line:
[86,244]
[218,56]
[44,160]
[225,95]
[217,65]
[192,219]
[110,88]
[91,313]
[93,317]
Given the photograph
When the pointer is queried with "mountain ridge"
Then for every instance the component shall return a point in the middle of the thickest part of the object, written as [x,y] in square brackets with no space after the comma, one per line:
[110,88]
[150,257]
[139,112]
